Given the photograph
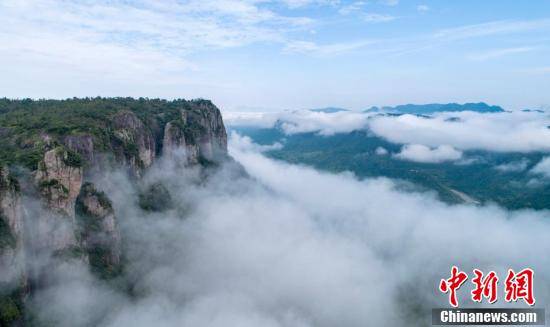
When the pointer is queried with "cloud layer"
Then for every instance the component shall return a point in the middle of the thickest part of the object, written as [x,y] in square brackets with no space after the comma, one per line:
[422,153]
[294,247]
[542,167]
[500,132]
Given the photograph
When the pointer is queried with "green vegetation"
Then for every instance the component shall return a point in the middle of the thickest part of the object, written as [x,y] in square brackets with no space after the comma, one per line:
[73,252]
[100,264]
[71,158]
[7,239]
[88,222]
[9,311]
[88,189]
[8,181]
[29,128]
[155,198]
[11,304]
[52,184]
[99,254]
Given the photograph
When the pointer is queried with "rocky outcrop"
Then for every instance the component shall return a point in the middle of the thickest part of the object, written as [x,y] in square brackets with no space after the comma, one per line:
[207,130]
[174,141]
[133,142]
[59,179]
[11,225]
[81,144]
[73,217]
[13,279]
[99,230]
[200,132]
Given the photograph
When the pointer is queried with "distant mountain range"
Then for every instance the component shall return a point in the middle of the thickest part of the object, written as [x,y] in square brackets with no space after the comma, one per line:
[431,108]
[329,110]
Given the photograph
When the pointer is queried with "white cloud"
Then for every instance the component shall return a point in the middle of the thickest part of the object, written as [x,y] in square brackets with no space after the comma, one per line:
[497,53]
[501,132]
[301,121]
[422,8]
[492,28]
[245,143]
[353,7]
[81,43]
[377,18]
[292,247]
[513,166]
[250,119]
[381,151]
[542,167]
[168,25]
[325,49]
[389,2]
[422,153]
[302,3]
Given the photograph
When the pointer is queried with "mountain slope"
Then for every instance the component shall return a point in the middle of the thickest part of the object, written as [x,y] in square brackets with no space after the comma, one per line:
[50,149]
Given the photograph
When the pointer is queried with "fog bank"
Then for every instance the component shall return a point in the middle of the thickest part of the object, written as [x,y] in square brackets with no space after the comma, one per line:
[292,246]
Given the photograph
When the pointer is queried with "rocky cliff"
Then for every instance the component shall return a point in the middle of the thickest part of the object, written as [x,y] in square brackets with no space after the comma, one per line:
[61,144]
[98,230]
[13,279]
[199,133]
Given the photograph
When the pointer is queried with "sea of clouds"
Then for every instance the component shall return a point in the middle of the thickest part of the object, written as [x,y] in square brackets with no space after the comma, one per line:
[436,138]
[287,245]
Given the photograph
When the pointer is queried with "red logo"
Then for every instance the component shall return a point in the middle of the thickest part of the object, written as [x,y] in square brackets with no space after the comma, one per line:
[452,284]
[520,286]
[485,287]
[517,286]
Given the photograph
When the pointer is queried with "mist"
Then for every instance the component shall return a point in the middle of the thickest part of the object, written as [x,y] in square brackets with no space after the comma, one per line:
[517,131]
[276,244]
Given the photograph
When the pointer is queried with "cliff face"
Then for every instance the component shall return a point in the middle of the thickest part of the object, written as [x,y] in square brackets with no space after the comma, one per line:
[62,143]
[59,181]
[199,132]
[13,278]
[133,142]
[98,229]
[11,227]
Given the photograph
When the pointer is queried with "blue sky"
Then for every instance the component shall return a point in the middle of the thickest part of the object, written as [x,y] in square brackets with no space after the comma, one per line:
[272,55]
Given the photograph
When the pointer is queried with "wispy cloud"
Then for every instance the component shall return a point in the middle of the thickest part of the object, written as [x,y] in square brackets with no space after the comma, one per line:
[497,53]
[443,37]
[145,29]
[129,40]
[369,17]
[491,28]
[389,2]
[422,8]
[353,7]
[326,49]
[302,3]
[377,18]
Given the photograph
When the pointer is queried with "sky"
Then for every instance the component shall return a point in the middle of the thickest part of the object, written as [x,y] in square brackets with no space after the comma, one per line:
[266,55]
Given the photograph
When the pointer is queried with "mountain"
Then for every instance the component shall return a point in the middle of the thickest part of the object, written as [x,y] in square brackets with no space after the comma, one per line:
[431,108]
[329,110]
[49,151]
